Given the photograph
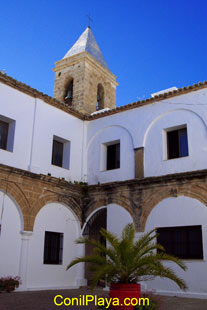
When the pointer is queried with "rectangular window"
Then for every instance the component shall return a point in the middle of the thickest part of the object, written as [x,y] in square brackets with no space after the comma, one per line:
[4,128]
[182,241]
[60,152]
[57,153]
[53,248]
[7,129]
[177,143]
[113,156]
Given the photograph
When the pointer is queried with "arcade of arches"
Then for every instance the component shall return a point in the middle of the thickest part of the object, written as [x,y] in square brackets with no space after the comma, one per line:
[31,192]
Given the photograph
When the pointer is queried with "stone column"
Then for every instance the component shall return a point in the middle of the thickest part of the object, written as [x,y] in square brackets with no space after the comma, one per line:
[139,163]
[81,281]
[26,236]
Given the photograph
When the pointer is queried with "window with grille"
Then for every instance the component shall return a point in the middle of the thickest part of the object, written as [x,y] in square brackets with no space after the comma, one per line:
[53,248]
[182,241]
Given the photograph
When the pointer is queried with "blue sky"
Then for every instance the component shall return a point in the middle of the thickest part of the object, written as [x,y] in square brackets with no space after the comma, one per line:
[149,45]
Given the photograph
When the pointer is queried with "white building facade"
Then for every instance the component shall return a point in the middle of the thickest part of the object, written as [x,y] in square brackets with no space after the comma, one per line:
[61,143]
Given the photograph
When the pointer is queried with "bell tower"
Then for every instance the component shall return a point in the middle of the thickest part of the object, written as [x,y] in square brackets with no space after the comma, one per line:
[83,79]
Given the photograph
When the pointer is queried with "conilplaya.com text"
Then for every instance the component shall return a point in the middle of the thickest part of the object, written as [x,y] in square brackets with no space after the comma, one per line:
[86,300]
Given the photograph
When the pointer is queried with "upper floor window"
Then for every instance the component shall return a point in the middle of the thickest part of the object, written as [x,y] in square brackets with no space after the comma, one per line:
[57,153]
[4,128]
[61,152]
[182,241]
[110,155]
[100,97]
[177,143]
[53,248]
[7,128]
[69,93]
[113,156]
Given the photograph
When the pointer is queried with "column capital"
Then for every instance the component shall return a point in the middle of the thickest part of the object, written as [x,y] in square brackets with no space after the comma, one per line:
[26,234]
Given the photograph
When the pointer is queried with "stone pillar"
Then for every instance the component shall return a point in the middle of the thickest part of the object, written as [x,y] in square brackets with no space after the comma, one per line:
[26,236]
[81,281]
[139,162]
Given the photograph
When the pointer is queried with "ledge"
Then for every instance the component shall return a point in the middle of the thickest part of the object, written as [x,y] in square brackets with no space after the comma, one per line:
[175,177]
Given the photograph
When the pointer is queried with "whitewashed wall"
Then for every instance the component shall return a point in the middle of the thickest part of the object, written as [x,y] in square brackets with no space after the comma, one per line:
[10,237]
[117,218]
[54,217]
[19,107]
[95,156]
[182,211]
[36,124]
[156,162]
[143,127]
[50,121]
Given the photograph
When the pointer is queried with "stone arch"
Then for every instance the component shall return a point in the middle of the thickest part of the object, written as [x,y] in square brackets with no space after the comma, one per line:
[68,207]
[90,216]
[55,217]
[68,201]
[197,192]
[124,203]
[16,194]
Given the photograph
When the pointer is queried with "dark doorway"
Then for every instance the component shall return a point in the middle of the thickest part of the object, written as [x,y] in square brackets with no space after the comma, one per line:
[92,231]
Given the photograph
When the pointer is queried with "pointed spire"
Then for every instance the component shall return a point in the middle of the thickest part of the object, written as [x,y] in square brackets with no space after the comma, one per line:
[87,43]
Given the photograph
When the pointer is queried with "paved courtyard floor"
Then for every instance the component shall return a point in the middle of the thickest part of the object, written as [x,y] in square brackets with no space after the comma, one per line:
[44,300]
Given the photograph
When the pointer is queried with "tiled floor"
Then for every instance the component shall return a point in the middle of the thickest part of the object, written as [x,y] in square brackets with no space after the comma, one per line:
[44,300]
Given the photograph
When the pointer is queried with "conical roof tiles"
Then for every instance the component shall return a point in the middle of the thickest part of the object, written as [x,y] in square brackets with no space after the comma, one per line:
[87,43]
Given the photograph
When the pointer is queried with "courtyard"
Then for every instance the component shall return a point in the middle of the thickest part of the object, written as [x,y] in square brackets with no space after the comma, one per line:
[44,300]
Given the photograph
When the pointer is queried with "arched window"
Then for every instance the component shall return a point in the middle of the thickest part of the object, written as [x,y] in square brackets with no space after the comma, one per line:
[69,93]
[100,97]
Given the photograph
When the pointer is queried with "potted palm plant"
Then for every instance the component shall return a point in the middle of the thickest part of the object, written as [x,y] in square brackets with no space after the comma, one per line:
[124,262]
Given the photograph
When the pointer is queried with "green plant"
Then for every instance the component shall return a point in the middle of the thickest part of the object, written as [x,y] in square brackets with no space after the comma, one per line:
[80,183]
[128,261]
[9,283]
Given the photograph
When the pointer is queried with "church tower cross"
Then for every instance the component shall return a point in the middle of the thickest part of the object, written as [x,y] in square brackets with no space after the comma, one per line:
[89,20]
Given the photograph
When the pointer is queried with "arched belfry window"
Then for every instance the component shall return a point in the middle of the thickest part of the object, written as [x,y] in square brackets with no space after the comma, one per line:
[69,93]
[100,97]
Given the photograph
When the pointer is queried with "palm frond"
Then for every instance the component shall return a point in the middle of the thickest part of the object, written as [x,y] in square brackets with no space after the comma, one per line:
[111,238]
[125,260]
[93,259]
